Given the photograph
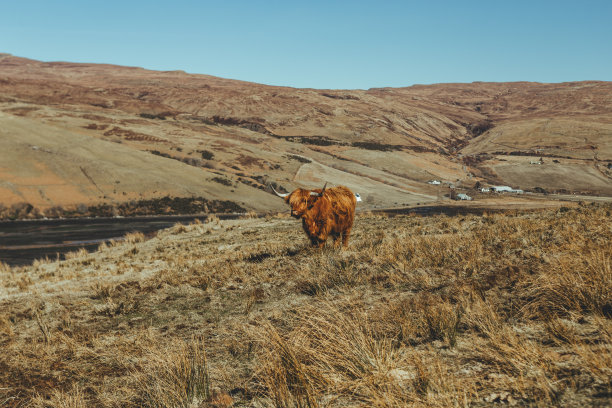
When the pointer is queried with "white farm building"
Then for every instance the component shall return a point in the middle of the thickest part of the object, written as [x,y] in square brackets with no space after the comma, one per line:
[462,196]
[506,189]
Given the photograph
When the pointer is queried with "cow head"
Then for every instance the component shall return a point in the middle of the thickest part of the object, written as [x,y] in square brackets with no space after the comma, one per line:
[301,200]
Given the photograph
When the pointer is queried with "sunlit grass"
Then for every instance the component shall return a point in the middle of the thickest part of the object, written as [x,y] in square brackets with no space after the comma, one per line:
[424,311]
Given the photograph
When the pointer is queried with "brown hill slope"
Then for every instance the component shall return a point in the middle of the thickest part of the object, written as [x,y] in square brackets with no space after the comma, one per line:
[91,133]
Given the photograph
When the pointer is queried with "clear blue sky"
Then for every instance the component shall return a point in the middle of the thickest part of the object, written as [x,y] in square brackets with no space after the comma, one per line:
[324,44]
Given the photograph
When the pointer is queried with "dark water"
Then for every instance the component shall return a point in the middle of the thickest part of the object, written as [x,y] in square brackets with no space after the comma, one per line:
[450,210]
[21,242]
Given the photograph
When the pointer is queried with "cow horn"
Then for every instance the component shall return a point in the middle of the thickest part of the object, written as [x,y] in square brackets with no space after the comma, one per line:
[279,194]
[312,193]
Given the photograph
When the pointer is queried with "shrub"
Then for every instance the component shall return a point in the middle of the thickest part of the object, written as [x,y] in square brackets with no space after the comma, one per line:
[206,155]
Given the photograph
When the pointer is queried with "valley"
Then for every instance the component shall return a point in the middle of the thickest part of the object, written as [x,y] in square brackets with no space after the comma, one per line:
[90,135]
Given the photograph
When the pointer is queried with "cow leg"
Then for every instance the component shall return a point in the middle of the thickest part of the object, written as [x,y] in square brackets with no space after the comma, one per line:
[317,242]
[345,237]
[336,238]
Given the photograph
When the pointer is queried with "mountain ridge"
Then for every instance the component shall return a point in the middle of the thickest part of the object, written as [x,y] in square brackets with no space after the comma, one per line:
[384,142]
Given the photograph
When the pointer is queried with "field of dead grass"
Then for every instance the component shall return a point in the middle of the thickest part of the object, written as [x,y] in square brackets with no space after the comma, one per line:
[511,309]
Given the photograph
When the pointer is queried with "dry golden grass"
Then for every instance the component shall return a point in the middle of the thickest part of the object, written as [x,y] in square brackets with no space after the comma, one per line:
[134,237]
[175,377]
[60,399]
[436,311]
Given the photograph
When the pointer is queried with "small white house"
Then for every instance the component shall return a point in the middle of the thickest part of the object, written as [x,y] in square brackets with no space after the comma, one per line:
[435,182]
[501,189]
[485,190]
[506,189]
[462,196]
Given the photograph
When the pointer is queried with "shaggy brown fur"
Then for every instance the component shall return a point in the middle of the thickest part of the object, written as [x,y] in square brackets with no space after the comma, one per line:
[331,214]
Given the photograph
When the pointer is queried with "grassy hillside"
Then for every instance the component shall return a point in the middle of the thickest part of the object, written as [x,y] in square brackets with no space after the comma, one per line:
[94,134]
[428,311]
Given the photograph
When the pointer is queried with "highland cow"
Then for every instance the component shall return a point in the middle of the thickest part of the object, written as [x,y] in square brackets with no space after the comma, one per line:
[323,212]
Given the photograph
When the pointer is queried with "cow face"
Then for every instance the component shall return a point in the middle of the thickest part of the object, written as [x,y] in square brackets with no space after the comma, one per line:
[301,201]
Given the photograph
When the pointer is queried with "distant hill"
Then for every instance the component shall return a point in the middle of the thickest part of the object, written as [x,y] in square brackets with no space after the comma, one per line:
[90,134]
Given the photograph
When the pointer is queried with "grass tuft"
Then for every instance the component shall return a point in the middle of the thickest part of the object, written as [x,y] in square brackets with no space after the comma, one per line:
[176,377]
